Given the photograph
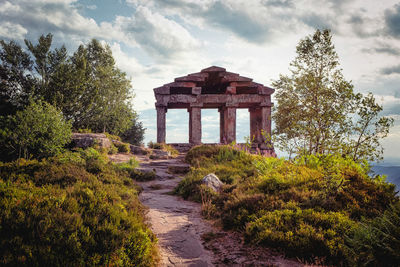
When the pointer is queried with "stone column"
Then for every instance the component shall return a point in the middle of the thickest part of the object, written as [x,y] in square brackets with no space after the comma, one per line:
[195,125]
[221,125]
[255,125]
[161,112]
[230,124]
[190,125]
[266,121]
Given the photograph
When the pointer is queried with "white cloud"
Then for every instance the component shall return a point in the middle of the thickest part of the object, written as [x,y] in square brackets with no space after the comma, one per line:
[13,31]
[159,36]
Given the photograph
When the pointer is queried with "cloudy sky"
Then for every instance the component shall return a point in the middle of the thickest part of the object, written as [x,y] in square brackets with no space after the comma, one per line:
[154,41]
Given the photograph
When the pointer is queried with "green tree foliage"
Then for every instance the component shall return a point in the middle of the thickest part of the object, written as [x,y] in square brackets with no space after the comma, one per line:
[87,86]
[16,82]
[368,130]
[317,110]
[39,130]
[135,134]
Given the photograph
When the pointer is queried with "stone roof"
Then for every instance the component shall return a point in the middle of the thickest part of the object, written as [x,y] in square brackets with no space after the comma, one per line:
[213,80]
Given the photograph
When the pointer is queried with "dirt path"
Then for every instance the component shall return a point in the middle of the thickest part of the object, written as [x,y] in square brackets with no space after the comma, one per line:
[176,222]
[179,226]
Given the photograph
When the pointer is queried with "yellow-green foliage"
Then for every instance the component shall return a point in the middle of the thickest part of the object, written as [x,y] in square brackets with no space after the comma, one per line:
[112,150]
[305,207]
[131,171]
[123,147]
[76,209]
[113,137]
[304,232]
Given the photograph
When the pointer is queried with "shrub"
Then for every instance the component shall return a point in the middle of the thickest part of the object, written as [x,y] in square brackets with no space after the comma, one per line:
[200,152]
[122,147]
[39,131]
[306,207]
[308,233]
[112,150]
[135,134]
[376,242]
[127,166]
[113,137]
[55,212]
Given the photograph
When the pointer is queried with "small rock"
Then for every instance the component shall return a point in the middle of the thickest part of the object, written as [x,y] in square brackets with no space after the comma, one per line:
[213,182]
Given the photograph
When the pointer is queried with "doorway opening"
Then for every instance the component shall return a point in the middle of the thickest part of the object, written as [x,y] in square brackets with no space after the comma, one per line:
[177,124]
[210,126]
[242,125]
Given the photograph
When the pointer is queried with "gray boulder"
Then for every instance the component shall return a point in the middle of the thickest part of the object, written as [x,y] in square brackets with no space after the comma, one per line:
[213,182]
[85,140]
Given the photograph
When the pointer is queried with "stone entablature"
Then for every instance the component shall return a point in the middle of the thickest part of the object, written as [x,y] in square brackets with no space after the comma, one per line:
[214,87]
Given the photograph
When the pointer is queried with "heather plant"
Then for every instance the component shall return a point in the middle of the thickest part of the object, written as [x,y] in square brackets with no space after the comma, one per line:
[122,147]
[60,212]
[307,207]
[377,242]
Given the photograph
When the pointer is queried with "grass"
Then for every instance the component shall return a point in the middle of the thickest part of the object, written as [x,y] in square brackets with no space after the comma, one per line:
[311,208]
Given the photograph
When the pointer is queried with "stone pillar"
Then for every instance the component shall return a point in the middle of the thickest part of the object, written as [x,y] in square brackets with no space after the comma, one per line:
[161,112]
[221,125]
[230,124]
[266,122]
[190,125]
[195,125]
[255,125]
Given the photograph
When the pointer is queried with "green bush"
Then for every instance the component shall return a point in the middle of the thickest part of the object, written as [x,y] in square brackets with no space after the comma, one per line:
[39,131]
[112,150]
[113,137]
[127,166]
[304,232]
[59,212]
[376,242]
[307,207]
[123,147]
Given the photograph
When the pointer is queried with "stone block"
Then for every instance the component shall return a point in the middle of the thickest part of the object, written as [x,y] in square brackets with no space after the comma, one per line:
[196,90]
[231,90]
[85,140]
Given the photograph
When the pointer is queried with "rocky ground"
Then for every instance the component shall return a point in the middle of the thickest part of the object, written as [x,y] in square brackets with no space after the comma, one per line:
[185,238]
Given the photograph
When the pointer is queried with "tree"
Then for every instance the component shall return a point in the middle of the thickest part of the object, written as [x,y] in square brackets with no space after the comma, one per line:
[367,130]
[316,106]
[107,92]
[135,134]
[16,83]
[87,87]
[39,130]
